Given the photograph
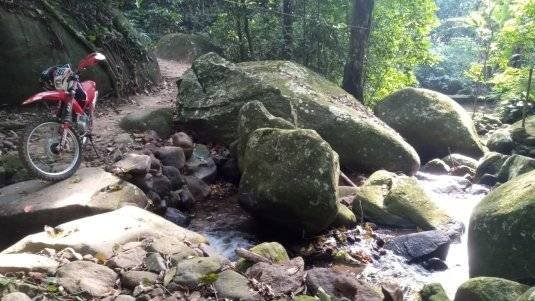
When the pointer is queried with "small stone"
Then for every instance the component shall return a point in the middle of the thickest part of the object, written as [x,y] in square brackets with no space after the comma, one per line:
[174,215]
[88,277]
[123,139]
[174,176]
[133,164]
[232,285]
[191,272]
[171,246]
[155,263]
[171,156]
[198,188]
[436,166]
[184,141]
[131,279]
[124,298]
[161,185]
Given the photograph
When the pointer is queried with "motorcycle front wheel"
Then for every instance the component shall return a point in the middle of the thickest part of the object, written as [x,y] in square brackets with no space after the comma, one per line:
[43,155]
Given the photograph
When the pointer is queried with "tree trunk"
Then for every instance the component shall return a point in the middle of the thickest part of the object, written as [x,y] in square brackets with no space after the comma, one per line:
[287,28]
[525,108]
[361,21]
[239,31]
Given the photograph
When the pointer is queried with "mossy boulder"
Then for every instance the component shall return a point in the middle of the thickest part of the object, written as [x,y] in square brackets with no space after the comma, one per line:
[433,292]
[398,201]
[490,289]
[40,34]
[524,137]
[345,217]
[290,180]
[515,166]
[160,120]
[500,237]
[434,124]
[273,251]
[253,115]
[490,164]
[501,142]
[195,272]
[212,93]
[184,47]
[529,295]
[12,170]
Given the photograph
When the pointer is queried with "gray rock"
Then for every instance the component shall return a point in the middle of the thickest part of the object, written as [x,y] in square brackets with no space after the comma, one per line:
[154,262]
[184,141]
[16,296]
[131,279]
[501,142]
[490,164]
[132,164]
[436,166]
[160,120]
[25,262]
[233,285]
[284,278]
[198,188]
[128,259]
[171,156]
[339,286]
[27,207]
[191,272]
[174,176]
[123,139]
[124,298]
[454,160]
[171,246]
[420,246]
[204,169]
[161,185]
[87,277]
[174,215]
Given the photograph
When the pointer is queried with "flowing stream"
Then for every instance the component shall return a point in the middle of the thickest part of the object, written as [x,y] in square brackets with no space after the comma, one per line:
[453,194]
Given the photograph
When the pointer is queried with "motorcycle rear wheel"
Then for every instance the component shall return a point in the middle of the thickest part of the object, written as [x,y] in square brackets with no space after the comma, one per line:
[39,150]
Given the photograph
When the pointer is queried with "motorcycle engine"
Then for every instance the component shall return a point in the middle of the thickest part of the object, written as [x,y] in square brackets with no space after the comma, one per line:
[83,123]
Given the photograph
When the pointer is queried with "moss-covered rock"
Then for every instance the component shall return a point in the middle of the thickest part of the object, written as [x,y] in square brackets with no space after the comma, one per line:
[490,164]
[184,47]
[345,217]
[195,272]
[500,237]
[434,124]
[529,295]
[490,289]
[515,166]
[398,201]
[273,251]
[160,120]
[253,115]
[501,142]
[455,160]
[12,170]
[290,179]
[40,34]
[524,137]
[213,91]
[433,292]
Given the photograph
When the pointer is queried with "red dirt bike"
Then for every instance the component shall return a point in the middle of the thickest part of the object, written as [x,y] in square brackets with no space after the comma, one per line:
[51,148]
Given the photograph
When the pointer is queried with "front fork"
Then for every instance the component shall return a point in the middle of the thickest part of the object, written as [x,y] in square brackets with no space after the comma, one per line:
[66,123]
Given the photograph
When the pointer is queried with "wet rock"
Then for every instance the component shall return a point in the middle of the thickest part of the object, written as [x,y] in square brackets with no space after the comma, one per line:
[232,285]
[175,216]
[283,278]
[160,120]
[435,264]
[100,234]
[434,124]
[433,292]
[131,279]
[504,218]
[131,165]
[16,296]
[128,259]
[198,188]
[489,180]
[230,172]
[182,199]
[87,277]
[339,285]
[25,262]
[192,272]
[27,207]
[515,166]
[154,262]
[204,169]
[400,201]
[436,166]
[214,90]
[490,164]
[458,160]
[418,247]
[273,251]
[462,171]
[290,180]
[171,156]
[174,176]
[490,289]
[183,141]
[155,165]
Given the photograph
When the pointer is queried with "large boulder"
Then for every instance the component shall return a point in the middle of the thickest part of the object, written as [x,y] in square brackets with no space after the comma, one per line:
[514,166]
[290,179]
[28,206]
[40,34]
[159,120]
[213,91]
[101,234]
[183,47]
[504,218]
[399,201]
[434,124]
[490,289]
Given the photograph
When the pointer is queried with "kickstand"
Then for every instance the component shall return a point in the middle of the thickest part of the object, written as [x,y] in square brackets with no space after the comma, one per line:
[90,137]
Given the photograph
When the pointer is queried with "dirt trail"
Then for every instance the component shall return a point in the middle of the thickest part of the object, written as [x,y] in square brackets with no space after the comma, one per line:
[106,122]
